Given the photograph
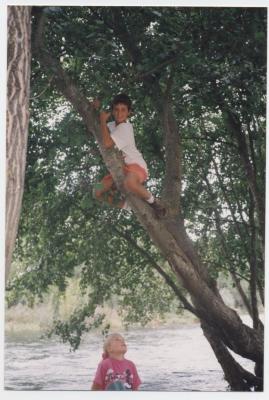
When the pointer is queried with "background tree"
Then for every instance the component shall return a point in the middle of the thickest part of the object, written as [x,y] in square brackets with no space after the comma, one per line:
[18,90]
[190,92]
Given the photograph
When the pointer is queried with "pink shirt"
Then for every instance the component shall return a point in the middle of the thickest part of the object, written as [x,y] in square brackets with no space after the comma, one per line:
[111,370]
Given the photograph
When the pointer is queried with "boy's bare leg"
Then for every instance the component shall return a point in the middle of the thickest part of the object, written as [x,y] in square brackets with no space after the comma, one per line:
[106,191]
[113,199]
[102,188]
[133,184]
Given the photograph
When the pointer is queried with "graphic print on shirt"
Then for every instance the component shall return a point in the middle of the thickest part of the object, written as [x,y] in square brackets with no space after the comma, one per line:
[126,378]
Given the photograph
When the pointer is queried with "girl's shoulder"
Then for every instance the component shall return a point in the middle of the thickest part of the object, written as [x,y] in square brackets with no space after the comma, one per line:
[105,362]
[131,363]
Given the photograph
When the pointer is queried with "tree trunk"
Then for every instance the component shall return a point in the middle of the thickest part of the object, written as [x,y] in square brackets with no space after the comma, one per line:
[18,93]
[239,379]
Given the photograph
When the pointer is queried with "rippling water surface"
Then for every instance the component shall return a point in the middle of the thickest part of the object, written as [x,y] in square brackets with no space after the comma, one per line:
[177,359]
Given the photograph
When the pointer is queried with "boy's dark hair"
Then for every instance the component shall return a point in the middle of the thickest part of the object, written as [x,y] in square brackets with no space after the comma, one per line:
[123,99]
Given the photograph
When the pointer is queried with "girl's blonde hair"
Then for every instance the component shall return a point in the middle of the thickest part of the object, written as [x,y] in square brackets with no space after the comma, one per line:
[107,341]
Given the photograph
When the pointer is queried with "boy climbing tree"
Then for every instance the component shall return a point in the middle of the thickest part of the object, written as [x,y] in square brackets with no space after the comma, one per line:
[120,133]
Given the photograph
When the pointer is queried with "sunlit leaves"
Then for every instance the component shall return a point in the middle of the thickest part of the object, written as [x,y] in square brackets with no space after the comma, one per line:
[216,55]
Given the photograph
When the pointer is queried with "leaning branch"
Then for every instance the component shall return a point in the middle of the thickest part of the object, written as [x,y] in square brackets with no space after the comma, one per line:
[187,305]
[60,78]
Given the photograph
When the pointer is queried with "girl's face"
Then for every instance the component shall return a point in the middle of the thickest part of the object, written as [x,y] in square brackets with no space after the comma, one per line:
[120,113]
[117,346]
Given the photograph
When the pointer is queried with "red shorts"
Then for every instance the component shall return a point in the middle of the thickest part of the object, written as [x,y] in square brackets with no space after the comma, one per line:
[134,169]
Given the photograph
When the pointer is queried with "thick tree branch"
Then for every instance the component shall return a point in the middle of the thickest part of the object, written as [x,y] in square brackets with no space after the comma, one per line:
[173,155]
[238,378]
[187,305]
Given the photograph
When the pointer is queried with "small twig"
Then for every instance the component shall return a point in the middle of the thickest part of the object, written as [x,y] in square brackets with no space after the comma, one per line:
[170,61]
[44,90]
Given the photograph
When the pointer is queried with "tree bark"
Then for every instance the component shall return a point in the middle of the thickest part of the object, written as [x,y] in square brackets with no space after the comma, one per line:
[171,191]
[18,93]
[238,378]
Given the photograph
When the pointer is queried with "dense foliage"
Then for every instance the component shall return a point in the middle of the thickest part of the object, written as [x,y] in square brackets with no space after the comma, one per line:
[218,60]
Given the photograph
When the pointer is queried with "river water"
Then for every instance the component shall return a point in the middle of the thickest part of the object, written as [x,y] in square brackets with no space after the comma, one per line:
[167,359]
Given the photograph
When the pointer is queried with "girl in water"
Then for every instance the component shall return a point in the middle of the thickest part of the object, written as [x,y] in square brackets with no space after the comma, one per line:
[115,372]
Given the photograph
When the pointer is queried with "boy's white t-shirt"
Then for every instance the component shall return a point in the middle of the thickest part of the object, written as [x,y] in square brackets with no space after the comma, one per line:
[123,137]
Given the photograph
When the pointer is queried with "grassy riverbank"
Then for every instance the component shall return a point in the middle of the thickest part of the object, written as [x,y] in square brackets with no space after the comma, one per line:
[33,322]
[24,321]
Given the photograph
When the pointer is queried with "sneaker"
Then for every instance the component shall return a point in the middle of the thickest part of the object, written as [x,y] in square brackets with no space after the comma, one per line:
[126,206]
[159,209]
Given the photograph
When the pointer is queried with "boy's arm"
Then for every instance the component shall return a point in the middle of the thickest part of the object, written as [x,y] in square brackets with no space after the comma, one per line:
[107,140]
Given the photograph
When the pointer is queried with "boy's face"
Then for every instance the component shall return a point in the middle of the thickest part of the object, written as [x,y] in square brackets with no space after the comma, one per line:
[120,113]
